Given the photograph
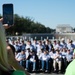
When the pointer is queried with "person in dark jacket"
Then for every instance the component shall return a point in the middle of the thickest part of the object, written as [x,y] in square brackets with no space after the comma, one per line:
[32,59]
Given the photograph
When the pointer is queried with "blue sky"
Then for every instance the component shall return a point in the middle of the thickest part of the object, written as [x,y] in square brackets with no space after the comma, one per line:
[48,12]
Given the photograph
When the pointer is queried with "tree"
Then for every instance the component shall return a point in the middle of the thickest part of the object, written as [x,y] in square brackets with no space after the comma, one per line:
[26,25]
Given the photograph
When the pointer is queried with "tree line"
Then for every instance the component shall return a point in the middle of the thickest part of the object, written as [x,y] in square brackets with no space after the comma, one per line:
[27,25]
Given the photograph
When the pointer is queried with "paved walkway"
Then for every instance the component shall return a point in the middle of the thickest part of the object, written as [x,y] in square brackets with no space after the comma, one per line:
[45,74]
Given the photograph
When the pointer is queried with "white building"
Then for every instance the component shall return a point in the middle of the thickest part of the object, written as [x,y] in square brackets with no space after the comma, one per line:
[64,28]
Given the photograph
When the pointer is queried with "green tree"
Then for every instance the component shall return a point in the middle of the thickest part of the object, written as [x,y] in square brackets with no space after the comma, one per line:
[27,25]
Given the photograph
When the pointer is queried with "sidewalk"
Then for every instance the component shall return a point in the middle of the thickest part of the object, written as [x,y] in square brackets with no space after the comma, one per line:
[45,74]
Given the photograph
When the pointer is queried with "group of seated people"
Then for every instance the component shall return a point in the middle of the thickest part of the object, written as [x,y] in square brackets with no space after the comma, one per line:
[44,56]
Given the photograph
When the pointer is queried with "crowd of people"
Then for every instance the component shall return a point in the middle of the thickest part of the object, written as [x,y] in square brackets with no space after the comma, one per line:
[44,56]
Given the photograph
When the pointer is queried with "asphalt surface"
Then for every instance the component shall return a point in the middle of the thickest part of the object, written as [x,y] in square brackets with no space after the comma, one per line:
[45,74]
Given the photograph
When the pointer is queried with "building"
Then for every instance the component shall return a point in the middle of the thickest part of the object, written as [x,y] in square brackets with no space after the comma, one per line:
[64,28]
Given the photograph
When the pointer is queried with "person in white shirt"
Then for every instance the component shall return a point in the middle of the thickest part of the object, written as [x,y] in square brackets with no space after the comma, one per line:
[13,43]
[45,57]
[54,44]
[63,43]
[23,45]
[70,46]
[35,45]
[39,48]
[48,45]
[27,52]
[17,47]
[69,57]
[64,53]
[21,57]
[29,45]
[57,59]
[59,46]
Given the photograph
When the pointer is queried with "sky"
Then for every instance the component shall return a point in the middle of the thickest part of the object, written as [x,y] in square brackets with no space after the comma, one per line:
[47,12]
